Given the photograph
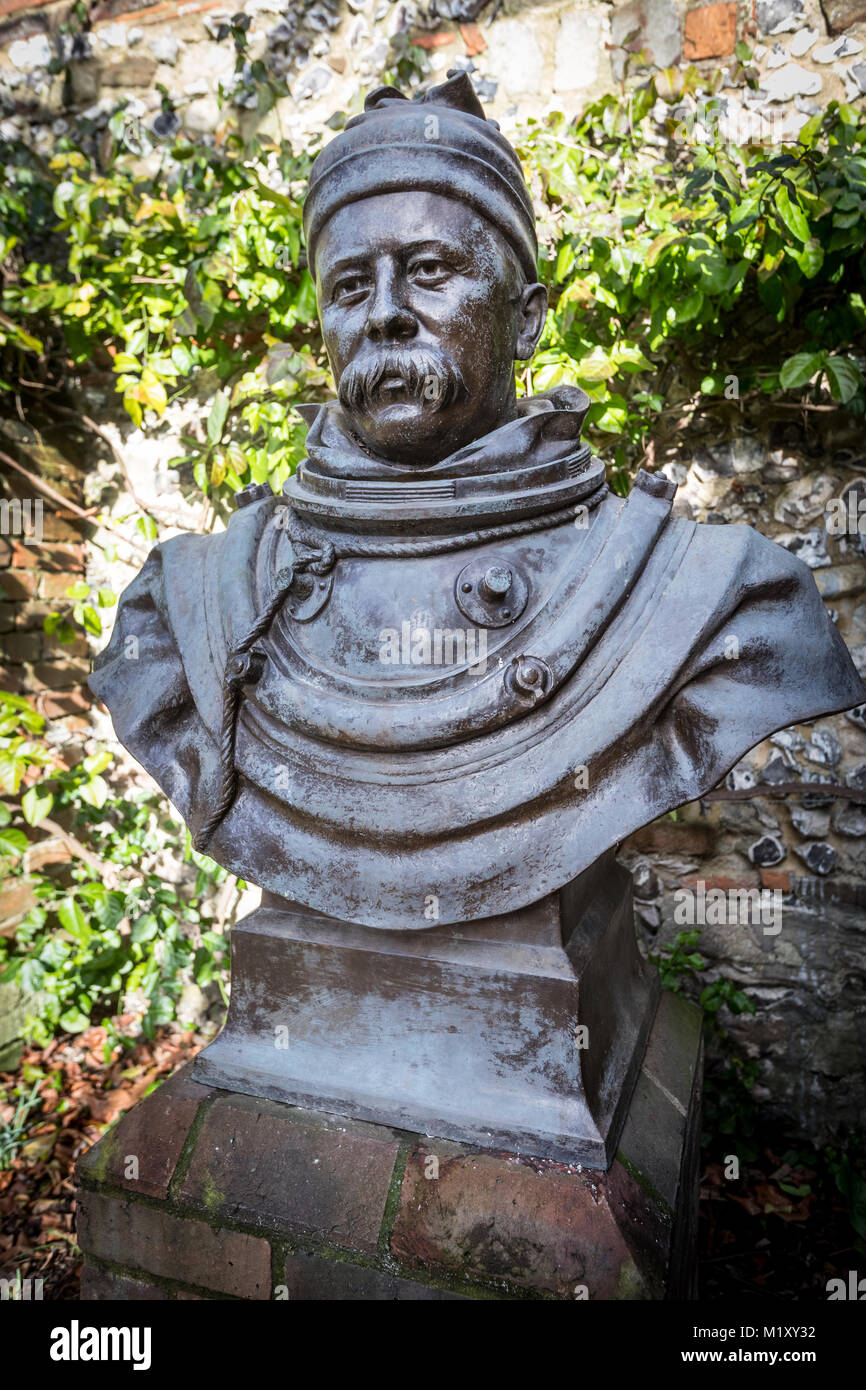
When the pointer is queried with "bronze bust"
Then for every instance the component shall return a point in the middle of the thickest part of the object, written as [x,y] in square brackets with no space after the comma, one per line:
[631,658]
[421,697]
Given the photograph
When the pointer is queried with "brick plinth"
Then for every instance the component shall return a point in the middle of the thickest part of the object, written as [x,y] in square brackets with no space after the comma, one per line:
[201,1193]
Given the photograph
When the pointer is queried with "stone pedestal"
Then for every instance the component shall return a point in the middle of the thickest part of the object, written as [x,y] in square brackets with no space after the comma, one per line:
[521,1032]
[230,1196]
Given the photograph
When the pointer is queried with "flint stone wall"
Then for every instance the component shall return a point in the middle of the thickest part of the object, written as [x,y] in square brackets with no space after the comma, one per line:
[525,60]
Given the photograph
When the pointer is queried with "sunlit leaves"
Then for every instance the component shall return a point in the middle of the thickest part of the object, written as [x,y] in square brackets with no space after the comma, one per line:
[36,805]
[800,369]
[697,252]
[89,949]
[844,377]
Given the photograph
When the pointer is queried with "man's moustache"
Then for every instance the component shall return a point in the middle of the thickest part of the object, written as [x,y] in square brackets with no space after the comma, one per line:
[428,375]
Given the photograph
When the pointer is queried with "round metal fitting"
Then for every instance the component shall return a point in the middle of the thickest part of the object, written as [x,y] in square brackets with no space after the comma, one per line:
[307,595]
[491,591]
[529,678]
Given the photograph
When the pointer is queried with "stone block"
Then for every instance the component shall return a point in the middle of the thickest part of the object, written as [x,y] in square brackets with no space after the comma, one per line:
[578,46]
[286,1167]
[135,70]
[63,703]
[157,1241]
[530,1222]
[673,837]
[841,14]
[12,679]
[841,580]
[656,24]
[24,556]
[514,57]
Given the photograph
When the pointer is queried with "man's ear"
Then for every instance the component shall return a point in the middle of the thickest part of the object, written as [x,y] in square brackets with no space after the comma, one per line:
[532,312]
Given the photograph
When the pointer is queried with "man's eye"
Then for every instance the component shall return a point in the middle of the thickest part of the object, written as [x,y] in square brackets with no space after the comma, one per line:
[429,270]
[352,285]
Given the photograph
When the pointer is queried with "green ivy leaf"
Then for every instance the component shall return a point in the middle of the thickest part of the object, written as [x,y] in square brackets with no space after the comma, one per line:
[844,378]
[73,1021]
[800,368]
[791,215]
[217,417]
[35,806]
[72,918]
[13,842]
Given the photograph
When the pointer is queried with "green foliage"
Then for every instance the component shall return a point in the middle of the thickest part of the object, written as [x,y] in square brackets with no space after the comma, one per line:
[81,615]
[117,932]
[846,1166]
[678,960]
[729,1109]
[13,1132]
[194,271]
[681,271]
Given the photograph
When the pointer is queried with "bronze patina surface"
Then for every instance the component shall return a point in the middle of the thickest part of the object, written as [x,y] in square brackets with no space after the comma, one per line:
[446,671]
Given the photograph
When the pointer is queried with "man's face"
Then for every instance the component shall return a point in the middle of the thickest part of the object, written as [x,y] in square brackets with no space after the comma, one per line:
[423,312]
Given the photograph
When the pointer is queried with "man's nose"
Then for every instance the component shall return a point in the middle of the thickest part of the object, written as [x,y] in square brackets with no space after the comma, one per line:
[389,317]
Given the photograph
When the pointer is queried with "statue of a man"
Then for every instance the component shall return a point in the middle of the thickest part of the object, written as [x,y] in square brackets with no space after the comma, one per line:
[447,665]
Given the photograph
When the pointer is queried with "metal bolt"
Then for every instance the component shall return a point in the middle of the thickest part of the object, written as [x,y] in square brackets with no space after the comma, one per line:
[496,583]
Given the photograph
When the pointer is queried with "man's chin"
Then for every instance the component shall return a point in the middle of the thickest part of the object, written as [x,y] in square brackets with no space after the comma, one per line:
[400,428]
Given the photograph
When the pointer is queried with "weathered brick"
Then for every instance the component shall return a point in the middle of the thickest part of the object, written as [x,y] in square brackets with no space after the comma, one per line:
[23,556]
[8,615]
[722,881]
[57,674]
[19,583]
[55,585]
[156,1240]
[532,1223]
[313,1278]
[57,528]
[30,614]
[153,1133]
[780,879]
[100,1285]
[23,646]
[711,31]
[11,679]
[57,705]
[63,556]
[663,837]
[292,1168]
